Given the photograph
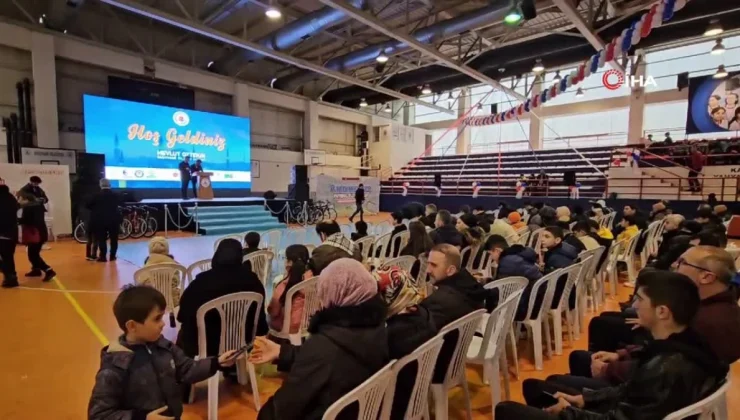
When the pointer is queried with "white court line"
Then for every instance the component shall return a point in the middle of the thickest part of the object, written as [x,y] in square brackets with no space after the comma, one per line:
[41,289]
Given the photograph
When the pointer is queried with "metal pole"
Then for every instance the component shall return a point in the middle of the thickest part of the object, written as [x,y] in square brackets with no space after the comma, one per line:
[197,222]
[166,213]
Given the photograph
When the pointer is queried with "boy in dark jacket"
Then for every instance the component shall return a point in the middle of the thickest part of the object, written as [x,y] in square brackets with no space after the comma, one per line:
[141,373]
[557,254]
[514,261]
[445,232]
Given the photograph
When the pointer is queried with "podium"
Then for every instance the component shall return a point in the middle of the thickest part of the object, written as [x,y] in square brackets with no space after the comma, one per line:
[205,188]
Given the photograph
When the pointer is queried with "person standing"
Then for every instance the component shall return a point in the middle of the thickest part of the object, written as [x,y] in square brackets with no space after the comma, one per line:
[35,233]
[8,235]
[359,199]
[696,164]
[195,170]
[105,220]
[185,176]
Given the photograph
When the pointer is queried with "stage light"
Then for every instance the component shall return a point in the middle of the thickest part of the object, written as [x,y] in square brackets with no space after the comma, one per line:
[272,81]
[382,58]
[718,49]
[721,72]
[64,31]
[363,103]
[557,76]
[426,90]
[513,17]
[273,13]
[538,67]
[579,93]
[42,18]
[210,64]
[714,28]
[387,108]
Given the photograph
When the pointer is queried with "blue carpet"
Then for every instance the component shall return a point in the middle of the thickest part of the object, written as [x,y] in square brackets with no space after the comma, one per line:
[225,220]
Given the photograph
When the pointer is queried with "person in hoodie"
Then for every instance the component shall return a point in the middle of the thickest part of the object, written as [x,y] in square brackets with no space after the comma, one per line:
[8,235]
[227,275]
[141,373]
[105,219]
[347,345]
[675,369]
[514,261]
[556,254]
[419,244]
[334,245]
[446,232]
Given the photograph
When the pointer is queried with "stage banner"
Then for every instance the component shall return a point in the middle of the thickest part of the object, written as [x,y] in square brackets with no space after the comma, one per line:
[341,192]
[713,104]
[55,182]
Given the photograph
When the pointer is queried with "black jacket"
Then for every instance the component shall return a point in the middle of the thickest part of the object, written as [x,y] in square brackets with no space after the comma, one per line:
[515,261]
[359,195]
[33,216]
[210,285]
[672,374]
[184,168]
[104,208]
[674,244]
[429,220]
[347,345]
[9,216]
[447,234]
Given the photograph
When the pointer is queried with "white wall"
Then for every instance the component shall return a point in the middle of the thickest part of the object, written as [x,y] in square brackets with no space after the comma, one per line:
[275,167]
[338,137]
[273,125]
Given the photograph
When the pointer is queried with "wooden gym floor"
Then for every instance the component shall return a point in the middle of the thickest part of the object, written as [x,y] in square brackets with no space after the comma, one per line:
[52,335]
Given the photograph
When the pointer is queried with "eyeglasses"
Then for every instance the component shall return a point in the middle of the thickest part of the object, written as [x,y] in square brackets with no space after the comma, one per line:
[682,261]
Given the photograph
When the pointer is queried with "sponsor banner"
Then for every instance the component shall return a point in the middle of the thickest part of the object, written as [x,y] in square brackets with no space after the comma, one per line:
[36,156]
[341,192]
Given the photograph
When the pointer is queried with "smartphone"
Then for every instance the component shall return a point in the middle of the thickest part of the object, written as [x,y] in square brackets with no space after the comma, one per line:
[241,351]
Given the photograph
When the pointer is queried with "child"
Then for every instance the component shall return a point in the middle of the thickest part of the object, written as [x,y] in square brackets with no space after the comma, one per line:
[296,259]
[361,228]
[252,240]
[141,373]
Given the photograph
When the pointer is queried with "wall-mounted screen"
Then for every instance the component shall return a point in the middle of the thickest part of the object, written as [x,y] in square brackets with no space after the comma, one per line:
[143,144]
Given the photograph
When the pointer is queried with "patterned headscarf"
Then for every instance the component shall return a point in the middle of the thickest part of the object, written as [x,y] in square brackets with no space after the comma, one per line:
[397,289]
[345,282]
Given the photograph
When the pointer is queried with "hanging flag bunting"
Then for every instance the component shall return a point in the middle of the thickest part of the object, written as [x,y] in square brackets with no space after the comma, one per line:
[575,191]
[405,187]
[476,188]
[521,185]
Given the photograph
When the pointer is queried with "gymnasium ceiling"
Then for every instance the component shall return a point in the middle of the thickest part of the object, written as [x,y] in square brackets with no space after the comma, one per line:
[216,35]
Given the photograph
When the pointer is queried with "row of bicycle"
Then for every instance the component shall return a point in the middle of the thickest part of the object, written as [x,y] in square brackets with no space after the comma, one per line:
[137,221]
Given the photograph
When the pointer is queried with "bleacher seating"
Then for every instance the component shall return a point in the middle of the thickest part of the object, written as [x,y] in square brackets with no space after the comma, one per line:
[498,174]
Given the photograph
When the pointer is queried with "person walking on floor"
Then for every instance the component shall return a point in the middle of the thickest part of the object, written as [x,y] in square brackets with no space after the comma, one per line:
[185,176]
[8,235]
[359,199]
[33,227]
[105,220]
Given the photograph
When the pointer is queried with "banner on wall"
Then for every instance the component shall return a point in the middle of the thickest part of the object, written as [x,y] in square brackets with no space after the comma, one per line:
[36,156]
[714,104]
[341,192]
[55,182]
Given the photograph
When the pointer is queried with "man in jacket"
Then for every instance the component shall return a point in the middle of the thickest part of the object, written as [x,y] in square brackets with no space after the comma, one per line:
[430,215]
[674,370]
[446,232]
[359,199]
[514,261]
[8,235]
[105,219]
[556,254]
[34,189]
[334,245]
[185,176]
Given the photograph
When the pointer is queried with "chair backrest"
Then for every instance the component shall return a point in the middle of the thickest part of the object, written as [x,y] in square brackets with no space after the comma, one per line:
[382,228]
[421,278]
[595,255]
[484,262]
[311,304]
[534,239]
[366,246]
[239,238]
[714,407]
[524,238]
[426,358]
[574,276]
[382,244]
[164,278]
[271,240]
[397,245]
[466,327]
[233,309]
[261,264]
[546,283]
[298,235]
[467,254]
[369,395]
[197,267]
[507,286]
[404,262]
[499,323]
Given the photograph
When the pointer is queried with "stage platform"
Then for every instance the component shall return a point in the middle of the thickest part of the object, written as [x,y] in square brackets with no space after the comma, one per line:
[217,201]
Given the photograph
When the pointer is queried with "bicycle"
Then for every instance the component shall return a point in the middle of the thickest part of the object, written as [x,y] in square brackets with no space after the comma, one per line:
[326,210]
[151,221]
[80,231]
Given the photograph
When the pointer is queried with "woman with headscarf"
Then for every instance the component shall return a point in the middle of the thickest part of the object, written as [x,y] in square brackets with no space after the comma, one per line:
[348,344]
[226,276]
[8,236]
[296,270]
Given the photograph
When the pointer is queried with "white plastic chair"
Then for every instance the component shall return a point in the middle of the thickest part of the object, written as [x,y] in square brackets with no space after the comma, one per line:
[270,239]
[381,247]
[261,264]
[628,257]
[382,228]
[489,349]
[649,235]
[536,319]
[455,374]
[366,246]
[534,239]
[426,358]
[591,288]
[397,245]
[239,238]
[369,395]
[311,304]
[422,281]
[524,238]
[168,278]
[405,263]
[196,268]
[610,267]
[714,407]
[233,309]
[571,283]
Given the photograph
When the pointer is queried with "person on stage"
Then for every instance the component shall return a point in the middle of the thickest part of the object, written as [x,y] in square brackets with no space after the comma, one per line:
[185,176]
[195,170]
[359,199]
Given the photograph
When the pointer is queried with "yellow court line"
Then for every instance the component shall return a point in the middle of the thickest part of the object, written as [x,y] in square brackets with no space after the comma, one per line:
[81,312]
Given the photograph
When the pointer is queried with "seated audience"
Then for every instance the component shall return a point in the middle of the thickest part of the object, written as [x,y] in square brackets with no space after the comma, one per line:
[671,229]
[430,215]
[660,211]
[515,220]
[676,244]
[129,385]
[502,227]
[485,226]
[722,212]
[360,230]
[159,253]
[582,231]
[252,242]
[562,214]
[603,236]
[419,243]
[569,238]
[479,212]
[545,216]
[227,275]
[557,254]
[579,215]
[677,355]
[296,270]
[334,245]
[472,235]
[514,261]
[395,243]
[704,215]
[445,232]
[629,229]
[464,209]
[347,345]
[413,211]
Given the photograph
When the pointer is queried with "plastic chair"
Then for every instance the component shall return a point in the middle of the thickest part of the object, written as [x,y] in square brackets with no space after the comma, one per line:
[397,246]
[369,395]
[261,264]
[714,407]
[405,263]
[383,227]
[366,246]
[649,235]
[536,316]
[610,266]
[422,282]
[573,272]
[491,348]
[311,304]
[484,263]
[168,278]
[590,287]
[196,268]
[426,358]
[455,374]
[239,238]
[271,240]
[524,238]
[233,309]
[534,239]
[628,257]
[381,247]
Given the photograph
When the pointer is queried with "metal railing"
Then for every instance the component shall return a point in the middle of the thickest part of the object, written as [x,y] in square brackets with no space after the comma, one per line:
[675,188]
[553,187]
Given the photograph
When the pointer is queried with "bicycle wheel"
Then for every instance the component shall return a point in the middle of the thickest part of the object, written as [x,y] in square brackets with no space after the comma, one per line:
[80,233]
[317,215]
[331,212]
[138,228]
[124,230]
[151,227]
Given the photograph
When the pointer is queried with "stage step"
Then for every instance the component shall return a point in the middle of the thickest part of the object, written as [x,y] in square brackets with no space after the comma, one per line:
[226,220]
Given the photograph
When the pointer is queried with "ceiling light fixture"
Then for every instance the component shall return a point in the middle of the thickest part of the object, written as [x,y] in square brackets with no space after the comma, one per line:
[387,108]
[42,18]
[579,93]
[272,82]
[714,28]
[210,64]
[538,67]
[363,103]
[382,58]
[721,72]
[718,49]
[273,12]
[513,17]
[426,90]
[557,76]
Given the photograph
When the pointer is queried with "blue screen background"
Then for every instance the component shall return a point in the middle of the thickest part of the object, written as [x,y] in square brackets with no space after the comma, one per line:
[108,123]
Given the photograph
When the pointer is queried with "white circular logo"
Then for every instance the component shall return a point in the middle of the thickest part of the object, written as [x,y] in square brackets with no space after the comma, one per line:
[180,118]
[205,182]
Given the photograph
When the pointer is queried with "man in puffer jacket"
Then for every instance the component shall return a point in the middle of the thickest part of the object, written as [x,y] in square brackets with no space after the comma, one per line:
[514,261]
[557,254]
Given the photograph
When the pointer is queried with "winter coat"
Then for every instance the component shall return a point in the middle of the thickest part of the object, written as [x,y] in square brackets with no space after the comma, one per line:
[501,227]
[134,380]
[104,209]
[429,220]
[447,234]
[347,346]
[519,261]
[359,195]
[210,285]
[276,311]
[671,374]
[33,216]
[561,256]
[154,259]
[674,244]
[9,217]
